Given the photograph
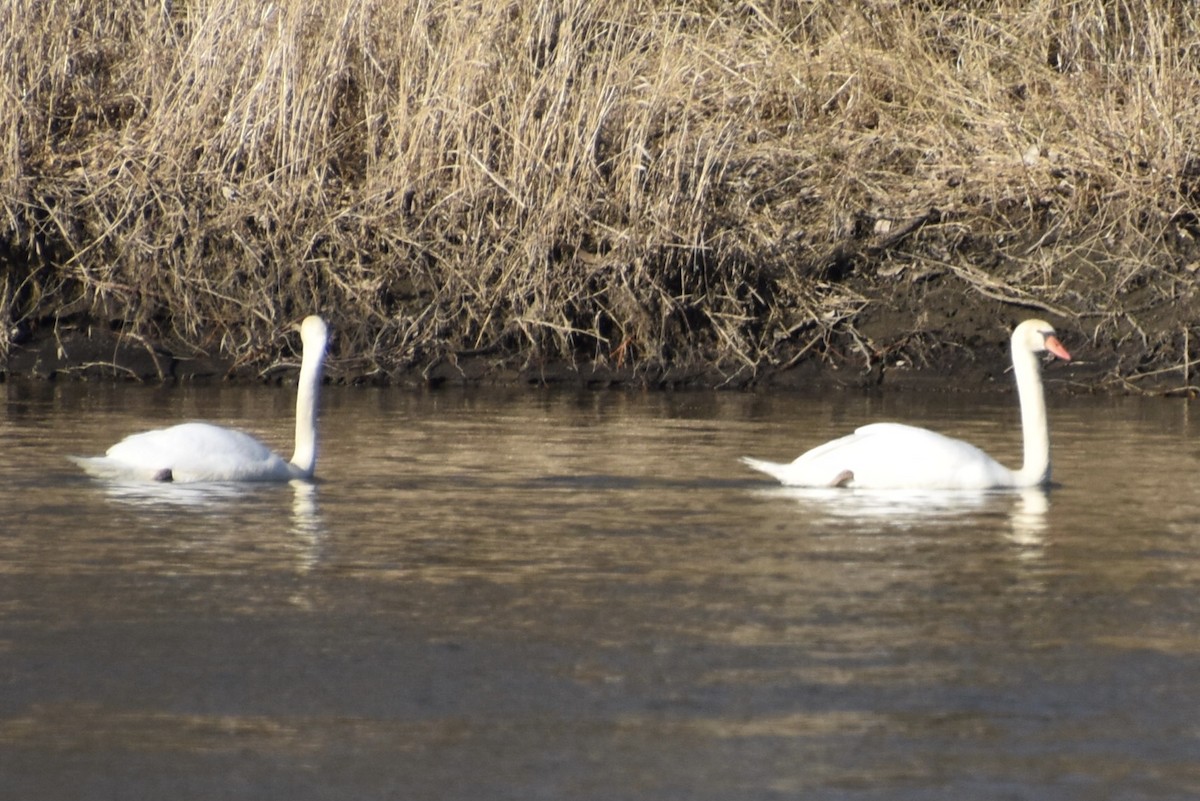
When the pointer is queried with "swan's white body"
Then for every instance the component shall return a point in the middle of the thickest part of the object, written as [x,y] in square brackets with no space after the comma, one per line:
[204,452]
[897,456]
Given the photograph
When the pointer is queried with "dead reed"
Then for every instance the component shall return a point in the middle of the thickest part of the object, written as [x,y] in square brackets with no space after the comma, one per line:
[631,181]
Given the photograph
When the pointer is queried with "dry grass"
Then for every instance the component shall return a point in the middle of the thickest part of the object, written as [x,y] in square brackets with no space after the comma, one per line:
[633,181]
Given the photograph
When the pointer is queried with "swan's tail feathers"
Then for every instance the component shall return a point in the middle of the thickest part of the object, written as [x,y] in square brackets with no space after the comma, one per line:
[97,466]
[773,469]
[798,474]
[107,468]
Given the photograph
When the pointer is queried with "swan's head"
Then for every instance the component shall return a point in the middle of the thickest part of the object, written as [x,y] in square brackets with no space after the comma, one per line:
[1037,336]
[314,334]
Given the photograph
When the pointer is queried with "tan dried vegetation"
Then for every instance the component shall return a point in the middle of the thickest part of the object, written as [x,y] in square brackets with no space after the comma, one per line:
[635,182]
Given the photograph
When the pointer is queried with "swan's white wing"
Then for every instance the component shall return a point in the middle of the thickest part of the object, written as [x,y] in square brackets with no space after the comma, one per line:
[892,456]
[897,455]
[191,452]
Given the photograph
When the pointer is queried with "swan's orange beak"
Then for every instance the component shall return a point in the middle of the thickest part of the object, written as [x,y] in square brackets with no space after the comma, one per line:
[1056,347]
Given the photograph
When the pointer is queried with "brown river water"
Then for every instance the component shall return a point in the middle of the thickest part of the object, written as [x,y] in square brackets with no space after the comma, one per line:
[556,595]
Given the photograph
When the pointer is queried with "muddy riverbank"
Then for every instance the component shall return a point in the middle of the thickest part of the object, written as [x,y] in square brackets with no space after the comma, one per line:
[912,332]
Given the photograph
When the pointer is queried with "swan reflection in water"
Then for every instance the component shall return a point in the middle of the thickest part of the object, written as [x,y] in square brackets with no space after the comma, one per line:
[1026,509]
[224,502]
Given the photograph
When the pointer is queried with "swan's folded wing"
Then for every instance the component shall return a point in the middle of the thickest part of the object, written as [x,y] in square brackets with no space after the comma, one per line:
[891,455]
[904,456]
[190,452]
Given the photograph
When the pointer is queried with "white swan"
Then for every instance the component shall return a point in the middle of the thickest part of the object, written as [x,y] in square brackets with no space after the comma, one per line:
[205,452]
[897,456]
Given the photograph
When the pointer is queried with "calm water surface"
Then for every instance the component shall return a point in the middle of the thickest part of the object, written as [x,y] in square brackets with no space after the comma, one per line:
[541,595]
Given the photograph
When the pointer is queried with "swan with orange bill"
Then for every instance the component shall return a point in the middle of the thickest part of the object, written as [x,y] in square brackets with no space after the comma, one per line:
[898,456]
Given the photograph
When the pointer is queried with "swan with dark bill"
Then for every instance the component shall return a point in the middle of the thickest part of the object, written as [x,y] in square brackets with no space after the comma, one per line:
[192,452]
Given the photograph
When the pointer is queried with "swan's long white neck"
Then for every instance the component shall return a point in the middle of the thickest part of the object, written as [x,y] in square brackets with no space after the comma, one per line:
[304,459]
[1034,428]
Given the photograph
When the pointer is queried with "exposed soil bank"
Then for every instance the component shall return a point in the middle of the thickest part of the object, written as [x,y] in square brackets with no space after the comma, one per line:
[912,332]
